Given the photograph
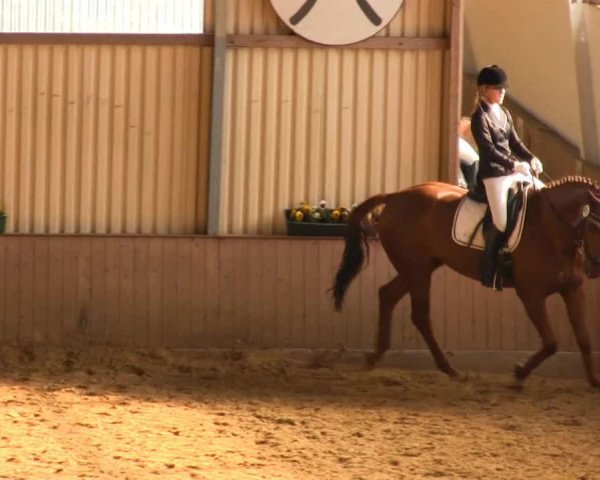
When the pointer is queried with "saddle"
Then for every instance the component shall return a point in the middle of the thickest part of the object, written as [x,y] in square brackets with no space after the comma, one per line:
[473,218]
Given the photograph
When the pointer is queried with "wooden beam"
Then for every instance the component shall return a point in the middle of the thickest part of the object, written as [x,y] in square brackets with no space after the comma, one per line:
[454,92]
[294,41]
[208,39]
[217,119]
[201,39]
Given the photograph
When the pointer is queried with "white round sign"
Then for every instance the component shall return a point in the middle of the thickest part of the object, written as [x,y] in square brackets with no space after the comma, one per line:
[336,22]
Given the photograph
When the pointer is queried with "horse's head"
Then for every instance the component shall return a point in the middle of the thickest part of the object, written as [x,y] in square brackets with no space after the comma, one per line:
[576,202]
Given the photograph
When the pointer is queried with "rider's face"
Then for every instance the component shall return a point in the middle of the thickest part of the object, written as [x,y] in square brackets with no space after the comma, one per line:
[495,94]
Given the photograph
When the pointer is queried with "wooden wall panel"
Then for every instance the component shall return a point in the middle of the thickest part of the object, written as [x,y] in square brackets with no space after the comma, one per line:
[205,292]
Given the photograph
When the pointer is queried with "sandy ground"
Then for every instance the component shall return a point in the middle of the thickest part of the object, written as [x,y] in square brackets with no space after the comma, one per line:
[257,415]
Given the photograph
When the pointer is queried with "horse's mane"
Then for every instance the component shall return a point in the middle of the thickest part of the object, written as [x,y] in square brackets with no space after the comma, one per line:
[573,179]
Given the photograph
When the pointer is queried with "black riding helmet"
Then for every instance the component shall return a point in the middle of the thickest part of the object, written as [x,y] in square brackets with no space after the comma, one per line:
[493,76]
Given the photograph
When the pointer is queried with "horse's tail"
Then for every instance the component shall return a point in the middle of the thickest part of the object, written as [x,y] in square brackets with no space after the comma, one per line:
[355,249]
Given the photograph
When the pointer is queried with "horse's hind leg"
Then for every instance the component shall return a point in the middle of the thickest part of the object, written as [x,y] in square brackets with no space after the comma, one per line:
[420,304]
[536,310]
[389,295]
[574,300]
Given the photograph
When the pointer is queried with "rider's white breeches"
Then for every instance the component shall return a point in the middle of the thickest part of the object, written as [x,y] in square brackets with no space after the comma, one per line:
[497,192]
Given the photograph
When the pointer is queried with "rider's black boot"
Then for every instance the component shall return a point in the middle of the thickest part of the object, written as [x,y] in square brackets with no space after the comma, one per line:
[494,241]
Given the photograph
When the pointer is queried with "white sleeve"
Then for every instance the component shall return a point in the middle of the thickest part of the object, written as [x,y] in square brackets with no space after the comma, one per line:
[466,152]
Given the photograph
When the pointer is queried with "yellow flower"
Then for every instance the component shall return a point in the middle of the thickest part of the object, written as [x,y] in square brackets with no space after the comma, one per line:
[335,214]
[298,216]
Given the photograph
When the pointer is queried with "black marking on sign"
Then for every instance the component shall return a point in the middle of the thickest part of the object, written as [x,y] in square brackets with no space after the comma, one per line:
[302,12]
[364,5]
[371,14]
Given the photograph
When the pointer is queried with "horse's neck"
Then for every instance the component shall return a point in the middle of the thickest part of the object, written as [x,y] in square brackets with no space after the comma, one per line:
[567,201]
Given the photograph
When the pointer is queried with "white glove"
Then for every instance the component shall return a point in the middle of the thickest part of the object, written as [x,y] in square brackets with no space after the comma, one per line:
[522,168]
[536,165]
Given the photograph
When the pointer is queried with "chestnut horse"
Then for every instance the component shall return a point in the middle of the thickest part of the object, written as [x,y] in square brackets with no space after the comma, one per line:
[559,249]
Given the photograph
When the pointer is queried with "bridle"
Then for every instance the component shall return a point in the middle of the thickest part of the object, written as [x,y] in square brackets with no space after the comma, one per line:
[580,229]
[595,220]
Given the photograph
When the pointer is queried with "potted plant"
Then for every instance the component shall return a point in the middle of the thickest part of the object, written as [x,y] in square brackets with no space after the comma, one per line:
[316,220]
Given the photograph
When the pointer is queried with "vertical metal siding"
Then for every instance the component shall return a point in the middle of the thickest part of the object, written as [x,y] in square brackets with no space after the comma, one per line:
[592,20]
[334,124]
[416,18]
[209,16]
[325,123]
[97,139]
[102,16]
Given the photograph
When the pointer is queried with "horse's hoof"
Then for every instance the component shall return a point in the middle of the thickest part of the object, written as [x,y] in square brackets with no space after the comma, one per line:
[371,360]
[517,386]
[520,372]
[595,382]
[454,375]
[460,378]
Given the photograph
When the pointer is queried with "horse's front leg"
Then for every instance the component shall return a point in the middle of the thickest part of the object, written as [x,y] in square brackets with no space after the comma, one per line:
[535,305]
[389,295]
[574,298]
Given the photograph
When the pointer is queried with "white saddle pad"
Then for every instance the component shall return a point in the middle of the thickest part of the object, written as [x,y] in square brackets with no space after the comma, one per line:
[469,213]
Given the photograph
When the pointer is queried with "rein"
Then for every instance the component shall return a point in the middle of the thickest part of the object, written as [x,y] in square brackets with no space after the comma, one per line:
[596,220]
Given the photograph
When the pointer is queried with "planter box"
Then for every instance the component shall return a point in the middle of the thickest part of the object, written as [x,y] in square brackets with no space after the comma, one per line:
[308,229]
[2,223]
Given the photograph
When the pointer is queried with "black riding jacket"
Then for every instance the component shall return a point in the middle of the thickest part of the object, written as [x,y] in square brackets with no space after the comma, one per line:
[497,141]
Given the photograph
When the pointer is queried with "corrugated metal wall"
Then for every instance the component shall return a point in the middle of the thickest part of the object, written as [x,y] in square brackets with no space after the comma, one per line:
[416,18]
[592,20]
[87,131]
[308,124]
[267,292]
[104,138]
[107,16]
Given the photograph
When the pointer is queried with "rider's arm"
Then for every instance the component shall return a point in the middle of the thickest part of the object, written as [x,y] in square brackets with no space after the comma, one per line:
[485,144]
[516,144]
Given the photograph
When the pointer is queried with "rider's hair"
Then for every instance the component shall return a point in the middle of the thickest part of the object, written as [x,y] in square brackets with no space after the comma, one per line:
[478,94]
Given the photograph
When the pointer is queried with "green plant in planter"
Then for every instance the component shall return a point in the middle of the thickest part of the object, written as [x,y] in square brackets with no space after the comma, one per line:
[320,213]
[2,220]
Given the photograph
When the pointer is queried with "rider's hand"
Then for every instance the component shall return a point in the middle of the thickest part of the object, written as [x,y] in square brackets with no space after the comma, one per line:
[536,165]
[522,168]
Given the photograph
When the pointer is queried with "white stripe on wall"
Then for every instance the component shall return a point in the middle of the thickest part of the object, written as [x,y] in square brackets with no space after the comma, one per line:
[102,16]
